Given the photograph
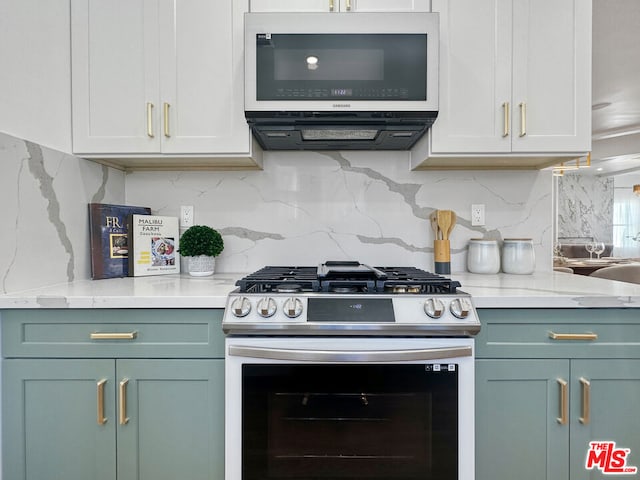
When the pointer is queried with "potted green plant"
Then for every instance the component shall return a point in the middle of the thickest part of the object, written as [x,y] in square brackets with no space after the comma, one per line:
[200,245]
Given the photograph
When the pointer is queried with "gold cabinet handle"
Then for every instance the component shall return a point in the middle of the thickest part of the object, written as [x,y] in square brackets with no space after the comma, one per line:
[564,401]
[586,401]
[166,120]
[100,395]
[507,118]
[523,119]
[331,6]
[573,336]
[123,401]
[113,335]
[348,5]
[150,120]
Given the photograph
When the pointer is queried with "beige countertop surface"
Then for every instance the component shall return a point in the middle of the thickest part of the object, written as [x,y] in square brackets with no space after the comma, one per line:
[540,290]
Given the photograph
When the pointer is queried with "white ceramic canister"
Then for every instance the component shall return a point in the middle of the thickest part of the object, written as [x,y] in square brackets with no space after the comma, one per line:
[483,256]
[518,256]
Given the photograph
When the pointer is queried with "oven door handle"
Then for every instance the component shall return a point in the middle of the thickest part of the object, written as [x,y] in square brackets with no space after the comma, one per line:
[350,355]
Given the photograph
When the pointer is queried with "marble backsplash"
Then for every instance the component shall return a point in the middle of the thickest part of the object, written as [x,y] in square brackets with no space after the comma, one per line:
[585,207]
[302,209]
[44,236]
[308,207]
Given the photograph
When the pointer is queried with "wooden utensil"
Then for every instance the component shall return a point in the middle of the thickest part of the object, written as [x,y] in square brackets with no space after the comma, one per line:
[444,222]
[454,219]
[434,224]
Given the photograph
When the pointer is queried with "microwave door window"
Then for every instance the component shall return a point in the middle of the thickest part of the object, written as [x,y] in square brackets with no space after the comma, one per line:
[347,64]
[341,66]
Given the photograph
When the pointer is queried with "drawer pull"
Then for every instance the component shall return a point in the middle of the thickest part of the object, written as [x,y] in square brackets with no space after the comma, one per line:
[114,336]
[100,394]
[586,401]
[564,402]
[573,336]
[123,402]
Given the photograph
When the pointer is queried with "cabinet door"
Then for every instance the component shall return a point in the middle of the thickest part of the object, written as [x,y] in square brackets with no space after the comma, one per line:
[175,428]
[612,395]
[50,422]
[552,75]
[475,77]
[202,77]
[114,66]
[518,403]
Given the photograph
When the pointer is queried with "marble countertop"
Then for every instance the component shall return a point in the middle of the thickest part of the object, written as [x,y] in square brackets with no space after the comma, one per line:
[540,290]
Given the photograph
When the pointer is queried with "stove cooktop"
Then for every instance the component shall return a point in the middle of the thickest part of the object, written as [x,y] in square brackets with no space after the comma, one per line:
[349,298]
[346,277]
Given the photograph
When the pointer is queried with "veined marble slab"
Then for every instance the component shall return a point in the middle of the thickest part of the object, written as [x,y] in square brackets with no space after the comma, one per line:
[540,290]
[305,208]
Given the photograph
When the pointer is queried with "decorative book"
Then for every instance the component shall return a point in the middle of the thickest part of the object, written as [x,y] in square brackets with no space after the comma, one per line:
[154,245]
[108,240]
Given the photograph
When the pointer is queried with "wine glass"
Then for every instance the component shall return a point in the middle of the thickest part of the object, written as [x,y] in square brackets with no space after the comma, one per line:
[590,247]
[599,248]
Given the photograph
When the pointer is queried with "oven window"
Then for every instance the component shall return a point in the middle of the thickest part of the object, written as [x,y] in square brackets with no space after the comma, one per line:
[341,67]
[349,422]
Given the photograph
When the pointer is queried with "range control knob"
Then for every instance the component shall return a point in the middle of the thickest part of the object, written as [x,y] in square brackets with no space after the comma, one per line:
[266,307]
[460,307]
[241,307]
[292,307]
[433,307]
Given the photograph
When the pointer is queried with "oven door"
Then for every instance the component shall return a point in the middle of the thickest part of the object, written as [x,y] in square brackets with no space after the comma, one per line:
[349,408]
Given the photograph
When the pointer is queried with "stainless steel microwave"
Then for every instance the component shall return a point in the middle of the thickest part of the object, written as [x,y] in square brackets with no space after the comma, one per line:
[340,80]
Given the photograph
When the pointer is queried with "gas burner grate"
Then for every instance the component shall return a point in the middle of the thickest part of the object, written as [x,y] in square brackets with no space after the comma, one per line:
[268,279]
[397,280]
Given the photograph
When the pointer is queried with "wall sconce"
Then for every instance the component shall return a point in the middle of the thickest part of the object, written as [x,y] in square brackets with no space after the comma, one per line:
[636,190]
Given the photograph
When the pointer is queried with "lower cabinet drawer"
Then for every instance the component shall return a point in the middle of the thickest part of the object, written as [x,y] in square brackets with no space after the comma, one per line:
[161,333]
[555,333]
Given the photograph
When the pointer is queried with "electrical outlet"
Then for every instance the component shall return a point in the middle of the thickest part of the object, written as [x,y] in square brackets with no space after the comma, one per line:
[477,215]
[186,216]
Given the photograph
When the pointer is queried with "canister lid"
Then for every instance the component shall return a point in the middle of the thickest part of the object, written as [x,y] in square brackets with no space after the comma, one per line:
[518,240]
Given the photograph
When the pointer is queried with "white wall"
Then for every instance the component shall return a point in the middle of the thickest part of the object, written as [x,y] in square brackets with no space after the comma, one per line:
[35,61]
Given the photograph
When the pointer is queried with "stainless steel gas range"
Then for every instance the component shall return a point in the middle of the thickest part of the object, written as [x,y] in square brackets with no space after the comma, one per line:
[349,371]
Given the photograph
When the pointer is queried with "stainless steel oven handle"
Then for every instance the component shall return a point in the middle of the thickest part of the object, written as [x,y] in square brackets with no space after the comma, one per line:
[349,355]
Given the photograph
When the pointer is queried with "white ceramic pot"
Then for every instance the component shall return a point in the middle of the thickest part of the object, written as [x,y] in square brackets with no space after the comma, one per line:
[518,256]
[201,265]
[483,256]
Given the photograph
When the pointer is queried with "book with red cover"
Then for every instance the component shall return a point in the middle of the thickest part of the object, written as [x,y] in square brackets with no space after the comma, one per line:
[109,244]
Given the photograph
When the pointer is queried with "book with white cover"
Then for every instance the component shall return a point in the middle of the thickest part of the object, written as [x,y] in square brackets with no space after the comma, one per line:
[154,242]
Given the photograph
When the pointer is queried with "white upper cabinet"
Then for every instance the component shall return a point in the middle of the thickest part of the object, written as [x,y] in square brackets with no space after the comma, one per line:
[161,77]
[515,81]
[339,5]
[114,76]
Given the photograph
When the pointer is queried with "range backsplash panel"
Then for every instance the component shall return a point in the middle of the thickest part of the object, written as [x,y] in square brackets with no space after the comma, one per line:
[308,207]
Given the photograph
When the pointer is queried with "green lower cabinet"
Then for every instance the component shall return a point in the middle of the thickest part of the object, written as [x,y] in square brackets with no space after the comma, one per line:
[175,427]
[148,420]
[609,406]
[520,424]
[518,434]
[49,416]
